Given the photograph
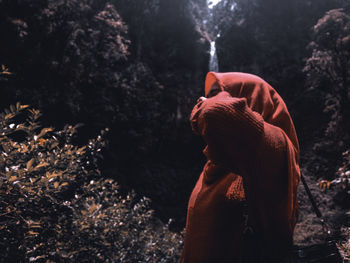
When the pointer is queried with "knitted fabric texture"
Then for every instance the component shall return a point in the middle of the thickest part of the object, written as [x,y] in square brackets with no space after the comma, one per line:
[253,154]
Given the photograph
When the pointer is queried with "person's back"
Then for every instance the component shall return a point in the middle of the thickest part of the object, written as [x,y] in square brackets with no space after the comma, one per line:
[252,169]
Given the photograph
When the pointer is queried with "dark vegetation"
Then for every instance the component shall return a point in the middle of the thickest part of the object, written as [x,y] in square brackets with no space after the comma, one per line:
[137,67]
[81,62]
[56,206]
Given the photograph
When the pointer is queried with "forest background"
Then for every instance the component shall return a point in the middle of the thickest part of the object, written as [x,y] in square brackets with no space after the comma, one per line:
[127,73]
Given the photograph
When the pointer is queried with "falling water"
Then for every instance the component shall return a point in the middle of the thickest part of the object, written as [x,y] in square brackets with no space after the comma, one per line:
[212,3]
[213,63]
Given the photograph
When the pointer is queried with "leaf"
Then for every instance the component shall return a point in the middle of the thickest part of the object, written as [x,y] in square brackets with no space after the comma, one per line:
[44,131]
[55,184]
[102,216]
[13,178]
[24,107]
[9,116]
[6,73]
[81,150]
[12,108]
[35,226]
[31,259]
[14,145]
[32,233]
[42,141]
[52,175]
[83,226]
[54,145]
[64,184]
[24,148]
[5,147]
[44,164]
[30,164]
[93,208]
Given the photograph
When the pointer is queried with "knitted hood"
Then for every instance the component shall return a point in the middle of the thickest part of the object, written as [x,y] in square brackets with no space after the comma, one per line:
[263,99]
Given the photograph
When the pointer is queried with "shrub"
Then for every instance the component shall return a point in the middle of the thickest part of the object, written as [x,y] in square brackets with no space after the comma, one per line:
[55,206]
[343,175]
[342,184]
[328,71]
[345,246]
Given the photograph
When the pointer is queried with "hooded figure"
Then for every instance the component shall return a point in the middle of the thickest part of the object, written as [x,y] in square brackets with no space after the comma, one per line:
[252,169]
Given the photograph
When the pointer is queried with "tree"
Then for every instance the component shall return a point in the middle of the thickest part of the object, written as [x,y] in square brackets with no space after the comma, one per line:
[328,72]
[268,38]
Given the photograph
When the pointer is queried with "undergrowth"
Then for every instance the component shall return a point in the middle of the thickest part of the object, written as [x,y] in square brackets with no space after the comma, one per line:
[56,207]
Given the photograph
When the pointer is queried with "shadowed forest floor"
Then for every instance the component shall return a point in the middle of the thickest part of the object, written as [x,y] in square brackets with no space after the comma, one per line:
[309,229]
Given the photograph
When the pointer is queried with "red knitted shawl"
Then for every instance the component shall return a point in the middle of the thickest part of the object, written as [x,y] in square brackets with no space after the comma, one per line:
[251,138]
[263,99]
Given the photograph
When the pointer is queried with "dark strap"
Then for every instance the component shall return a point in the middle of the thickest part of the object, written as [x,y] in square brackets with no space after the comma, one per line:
[325,226]
[312,200]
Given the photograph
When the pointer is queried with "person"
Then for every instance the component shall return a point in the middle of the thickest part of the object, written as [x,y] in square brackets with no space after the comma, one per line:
[243,207]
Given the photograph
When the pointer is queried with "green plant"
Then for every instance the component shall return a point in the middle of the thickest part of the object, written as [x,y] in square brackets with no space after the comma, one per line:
[342,185]
[55,206]
[344,172]
[344,247]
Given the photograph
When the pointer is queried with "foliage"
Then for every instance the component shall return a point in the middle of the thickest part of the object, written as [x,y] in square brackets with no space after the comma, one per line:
[345,246]
[135,66]
[267,38]
[342,185]
[343,179]
[55,206]
[169,37]
[64,52]
[74,55]
[84,55]
[328,67]
[328,73]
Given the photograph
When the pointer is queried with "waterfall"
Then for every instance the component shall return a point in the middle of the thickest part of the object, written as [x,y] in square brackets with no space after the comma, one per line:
[212,3]
[213,62]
